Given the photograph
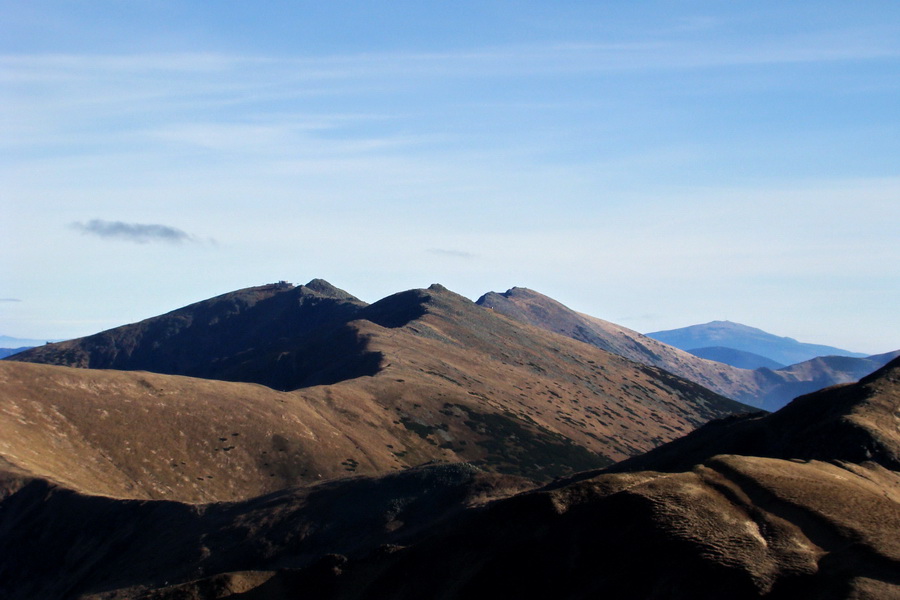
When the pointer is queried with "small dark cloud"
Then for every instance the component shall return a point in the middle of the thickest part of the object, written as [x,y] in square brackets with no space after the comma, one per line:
[9,300]
[140,233]
[454,253]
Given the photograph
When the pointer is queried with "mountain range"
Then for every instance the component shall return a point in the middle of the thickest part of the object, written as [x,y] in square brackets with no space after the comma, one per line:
[764,388]
[346,388]
[290,441]
[309,337]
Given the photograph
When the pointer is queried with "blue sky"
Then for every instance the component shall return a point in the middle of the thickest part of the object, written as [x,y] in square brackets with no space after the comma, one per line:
[656,164]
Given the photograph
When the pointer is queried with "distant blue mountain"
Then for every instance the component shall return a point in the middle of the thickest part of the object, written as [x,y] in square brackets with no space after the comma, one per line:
[736,358]
[4,352]
[783,350]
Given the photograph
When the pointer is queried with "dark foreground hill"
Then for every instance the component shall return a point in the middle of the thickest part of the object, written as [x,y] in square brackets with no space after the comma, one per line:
[765,388]
[803,503]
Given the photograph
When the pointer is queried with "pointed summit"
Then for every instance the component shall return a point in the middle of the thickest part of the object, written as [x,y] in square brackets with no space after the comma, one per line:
[325,289]
[234,337]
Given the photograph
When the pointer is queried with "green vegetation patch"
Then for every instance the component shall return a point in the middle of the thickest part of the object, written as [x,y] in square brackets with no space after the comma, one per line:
[423,431]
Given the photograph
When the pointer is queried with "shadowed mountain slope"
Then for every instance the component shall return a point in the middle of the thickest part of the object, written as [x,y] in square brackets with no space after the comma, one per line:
[801,503]
[278,335]
[784,350]
[852,423]
[815,515]
[57,543]
[449,381]
[763,388]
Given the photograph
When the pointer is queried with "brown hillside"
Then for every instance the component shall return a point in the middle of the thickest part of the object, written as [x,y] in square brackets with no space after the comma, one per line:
[853,423]
[763,388]
[539,310]
[816,516]
[57,543]
[453,382]
[735,526]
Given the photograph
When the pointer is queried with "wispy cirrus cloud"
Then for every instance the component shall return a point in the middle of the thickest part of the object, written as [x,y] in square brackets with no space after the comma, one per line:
[451,253]
[141,233]
[10,300]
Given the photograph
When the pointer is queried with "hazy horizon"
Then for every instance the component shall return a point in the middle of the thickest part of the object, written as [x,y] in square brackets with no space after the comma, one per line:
[653,165]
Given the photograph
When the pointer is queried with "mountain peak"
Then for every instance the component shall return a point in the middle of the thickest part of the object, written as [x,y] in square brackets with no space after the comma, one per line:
[512,293]
[520,291]
[323,288]
[211,338]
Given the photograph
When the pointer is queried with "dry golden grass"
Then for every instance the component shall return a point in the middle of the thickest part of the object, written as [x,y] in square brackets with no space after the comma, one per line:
[765,389]
[810,508]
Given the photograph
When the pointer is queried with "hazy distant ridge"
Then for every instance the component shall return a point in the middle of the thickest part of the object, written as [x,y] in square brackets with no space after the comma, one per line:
[13,342]
[4,352]
[736,358]
[783,350]
[763,387]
